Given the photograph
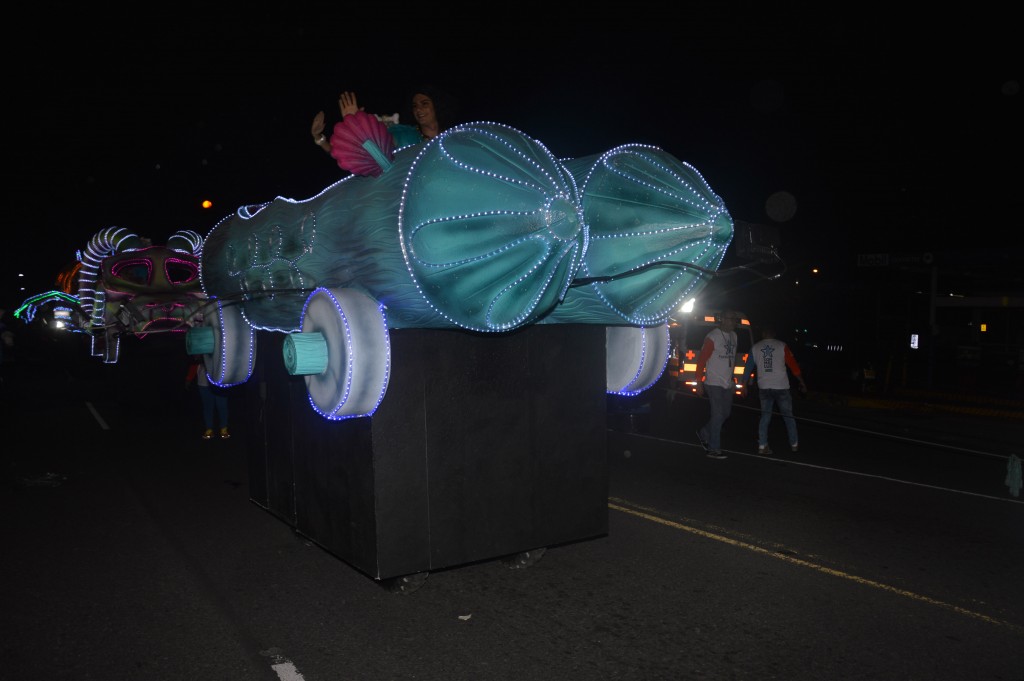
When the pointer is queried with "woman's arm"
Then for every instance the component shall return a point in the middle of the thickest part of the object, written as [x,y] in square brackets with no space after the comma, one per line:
[319,138]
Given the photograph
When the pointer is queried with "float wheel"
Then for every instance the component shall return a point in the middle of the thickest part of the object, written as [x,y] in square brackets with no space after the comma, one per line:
[343,351]
[524,559]
[636,357]
[405,584]
[234,346]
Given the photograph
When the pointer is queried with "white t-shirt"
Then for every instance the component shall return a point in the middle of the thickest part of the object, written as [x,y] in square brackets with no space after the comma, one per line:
[720,363]
[769,358]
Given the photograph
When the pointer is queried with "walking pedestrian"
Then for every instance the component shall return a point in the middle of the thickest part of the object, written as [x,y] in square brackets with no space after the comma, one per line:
[214,400]
[715,363]
[767,364]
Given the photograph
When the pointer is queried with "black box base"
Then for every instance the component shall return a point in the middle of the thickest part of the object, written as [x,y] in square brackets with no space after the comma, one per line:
[484,446]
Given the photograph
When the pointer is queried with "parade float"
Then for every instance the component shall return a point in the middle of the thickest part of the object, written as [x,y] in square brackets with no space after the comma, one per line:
[425,346]
[482,230]
[120,285]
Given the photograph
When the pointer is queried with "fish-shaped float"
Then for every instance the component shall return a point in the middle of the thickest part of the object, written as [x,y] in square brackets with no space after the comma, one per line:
[481,229]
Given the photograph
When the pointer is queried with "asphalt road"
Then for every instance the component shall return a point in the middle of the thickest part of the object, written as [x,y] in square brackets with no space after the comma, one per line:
[890,547]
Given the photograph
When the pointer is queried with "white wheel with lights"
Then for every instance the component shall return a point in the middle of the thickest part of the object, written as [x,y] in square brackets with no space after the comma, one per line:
[343,351]
[635,358]
[524,559]
[405,584]
[227,344]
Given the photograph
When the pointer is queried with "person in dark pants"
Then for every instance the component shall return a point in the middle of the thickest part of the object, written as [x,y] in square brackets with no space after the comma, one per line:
[767,363]
[214,401]
[715,364]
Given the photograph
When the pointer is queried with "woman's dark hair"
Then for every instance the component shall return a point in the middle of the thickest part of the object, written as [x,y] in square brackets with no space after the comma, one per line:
[445,106]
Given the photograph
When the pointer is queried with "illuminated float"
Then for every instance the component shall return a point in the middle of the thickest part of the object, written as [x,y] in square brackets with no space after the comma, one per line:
[494,292]
[123,284]
[481,229]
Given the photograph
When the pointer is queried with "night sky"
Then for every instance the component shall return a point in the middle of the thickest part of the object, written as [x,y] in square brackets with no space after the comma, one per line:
[892,134]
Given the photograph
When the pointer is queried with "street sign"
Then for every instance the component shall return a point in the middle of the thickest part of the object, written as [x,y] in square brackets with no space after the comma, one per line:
[887,259]
[873,260]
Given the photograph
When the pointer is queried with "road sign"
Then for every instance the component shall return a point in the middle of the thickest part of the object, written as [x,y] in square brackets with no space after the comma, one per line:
[873,260]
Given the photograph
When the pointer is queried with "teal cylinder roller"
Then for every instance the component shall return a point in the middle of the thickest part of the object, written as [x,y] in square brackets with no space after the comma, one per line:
[200,340]
[305,354]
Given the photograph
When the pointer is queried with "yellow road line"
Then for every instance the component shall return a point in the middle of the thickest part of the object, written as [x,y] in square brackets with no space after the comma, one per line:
[814,566]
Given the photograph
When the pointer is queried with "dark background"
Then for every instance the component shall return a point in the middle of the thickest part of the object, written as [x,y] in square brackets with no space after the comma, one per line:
[856,130]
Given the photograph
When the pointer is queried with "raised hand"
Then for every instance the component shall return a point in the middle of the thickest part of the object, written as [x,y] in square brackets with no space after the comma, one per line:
[318,125]
[347,103]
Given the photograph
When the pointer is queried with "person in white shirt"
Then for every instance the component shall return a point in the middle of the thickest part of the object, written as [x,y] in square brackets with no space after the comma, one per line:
[715,363]
[767,363]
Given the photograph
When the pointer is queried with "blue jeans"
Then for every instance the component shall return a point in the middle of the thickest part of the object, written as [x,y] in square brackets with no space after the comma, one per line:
[215,406]
[769,398]
[720,400]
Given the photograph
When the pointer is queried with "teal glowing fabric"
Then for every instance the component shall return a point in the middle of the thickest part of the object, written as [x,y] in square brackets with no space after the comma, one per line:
[481,228]
[657,233]
[404,135]
[491,227]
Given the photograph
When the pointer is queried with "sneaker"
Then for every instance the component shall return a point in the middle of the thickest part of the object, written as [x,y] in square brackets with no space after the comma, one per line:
[795,447]
[208,434]
[717,454]
[702,441]
[224,434]
[764,450]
